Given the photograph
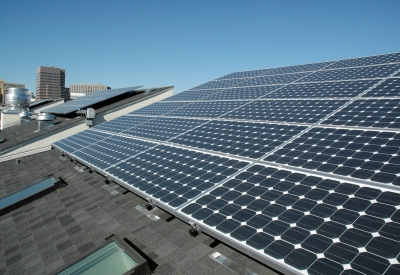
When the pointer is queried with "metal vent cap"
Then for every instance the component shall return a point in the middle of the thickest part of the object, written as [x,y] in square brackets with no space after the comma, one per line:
[46,117]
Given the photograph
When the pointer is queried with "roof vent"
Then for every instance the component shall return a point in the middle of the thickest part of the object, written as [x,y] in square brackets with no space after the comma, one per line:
[45,120]
[25,116]
[17,98]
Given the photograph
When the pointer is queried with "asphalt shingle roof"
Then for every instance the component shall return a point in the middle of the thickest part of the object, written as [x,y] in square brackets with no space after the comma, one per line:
[43,235]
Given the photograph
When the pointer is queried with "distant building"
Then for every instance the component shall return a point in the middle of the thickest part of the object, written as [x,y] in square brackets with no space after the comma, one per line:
[85,89]
[50,82]
[5,85]
[66,94]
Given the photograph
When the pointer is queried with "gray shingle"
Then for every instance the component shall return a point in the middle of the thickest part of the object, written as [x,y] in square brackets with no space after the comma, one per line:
[63,230]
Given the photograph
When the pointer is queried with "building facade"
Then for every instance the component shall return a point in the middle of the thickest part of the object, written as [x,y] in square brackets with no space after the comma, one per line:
[85,89]
[66,94]
[4,87]
[50,82]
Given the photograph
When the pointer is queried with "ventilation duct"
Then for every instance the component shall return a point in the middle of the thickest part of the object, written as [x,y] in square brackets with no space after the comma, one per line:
[45,120]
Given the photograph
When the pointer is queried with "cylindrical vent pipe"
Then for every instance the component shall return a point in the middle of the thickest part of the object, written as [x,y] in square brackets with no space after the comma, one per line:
[17,98]
[45,120]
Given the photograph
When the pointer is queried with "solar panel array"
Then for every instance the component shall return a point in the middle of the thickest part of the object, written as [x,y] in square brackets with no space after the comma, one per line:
[298,166]
[88,100]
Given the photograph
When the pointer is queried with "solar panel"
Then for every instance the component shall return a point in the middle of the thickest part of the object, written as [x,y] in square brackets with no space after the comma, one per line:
[281,70]
[190,95]
[159,108]
[121,123]
[304,111]
[323,89]
[389,88]
[88,100]
[383,113]
[307,223]
[238,138]
[39,102]
[364,61]
[368,155]
[352,73]
[243,93]
[298,167]
[253,81]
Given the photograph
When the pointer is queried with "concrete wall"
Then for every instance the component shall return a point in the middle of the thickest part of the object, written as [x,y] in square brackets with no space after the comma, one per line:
[9,119]
[102,117]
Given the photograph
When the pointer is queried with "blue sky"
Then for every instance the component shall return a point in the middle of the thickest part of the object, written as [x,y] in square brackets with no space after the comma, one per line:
[185,43]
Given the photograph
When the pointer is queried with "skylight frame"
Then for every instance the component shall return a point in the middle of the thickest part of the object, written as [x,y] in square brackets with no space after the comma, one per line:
[142,264]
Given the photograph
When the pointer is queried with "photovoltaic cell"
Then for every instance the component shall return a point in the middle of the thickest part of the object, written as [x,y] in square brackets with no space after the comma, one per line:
[389,87]
[242,74]
[323,89]
[244,82]
[272,79]
[80,140]
[110,151]
[367,155]
[159,109]
[301,111]
[365,61]
[163,128]
[379,71]
[219,84]
[280,70]
[313,224]
[191,95]
[242,93]
[383,113]
[168,174]
[121,123]
[238,138]
[207,109]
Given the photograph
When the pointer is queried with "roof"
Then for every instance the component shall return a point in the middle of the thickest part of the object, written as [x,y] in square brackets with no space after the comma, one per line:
[21,134]
[42,235]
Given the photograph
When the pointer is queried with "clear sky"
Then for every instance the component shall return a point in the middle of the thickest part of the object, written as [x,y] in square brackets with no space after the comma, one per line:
[184,43]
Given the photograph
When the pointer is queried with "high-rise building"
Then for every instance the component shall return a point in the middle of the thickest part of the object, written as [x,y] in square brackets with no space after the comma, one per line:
[66,94]
[50,82]
[4,87]
[85,89]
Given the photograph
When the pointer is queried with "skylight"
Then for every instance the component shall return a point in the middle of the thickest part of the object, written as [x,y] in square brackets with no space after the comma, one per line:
[28,194]
[114,257]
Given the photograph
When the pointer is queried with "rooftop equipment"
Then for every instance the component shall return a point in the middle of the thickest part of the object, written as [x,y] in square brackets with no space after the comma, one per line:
[25,116]
[17,98]
[45,120]
[90,113]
